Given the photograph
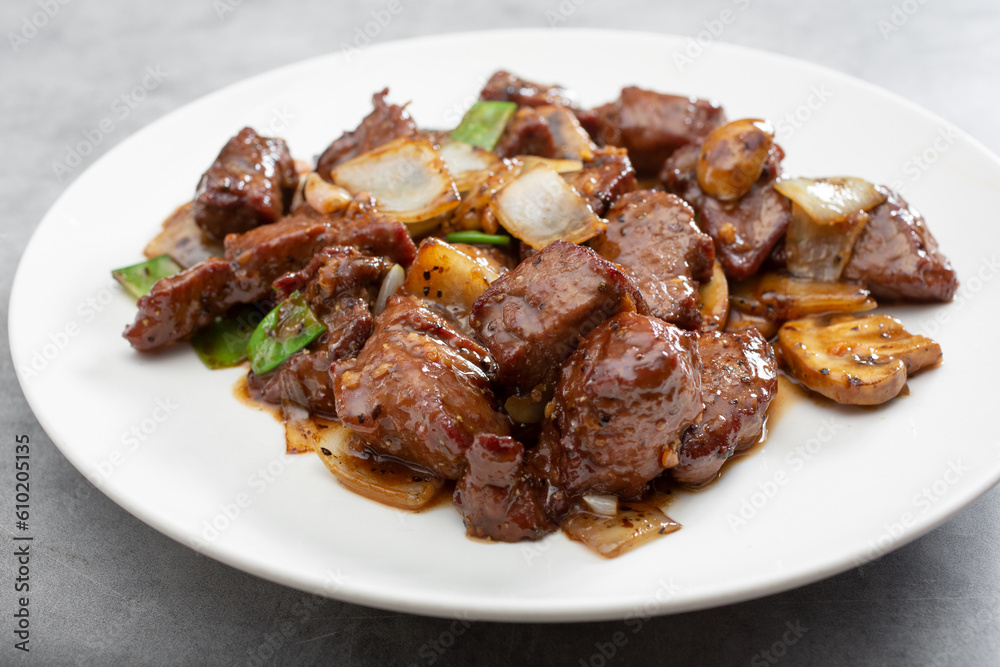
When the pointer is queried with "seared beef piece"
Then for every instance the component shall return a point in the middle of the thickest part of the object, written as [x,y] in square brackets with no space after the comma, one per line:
[652,125]
[620,408]
[251,183]
[744,230]
[385,123]
[551,132]
[339,284]
[505,87]
[738,380]
[532,318]
[176,306]
[652,235]
[419,389]
[604,179]
[896,256]
[497,498]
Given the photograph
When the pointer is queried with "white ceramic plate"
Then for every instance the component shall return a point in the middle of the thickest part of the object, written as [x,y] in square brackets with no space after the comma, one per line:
[166,439]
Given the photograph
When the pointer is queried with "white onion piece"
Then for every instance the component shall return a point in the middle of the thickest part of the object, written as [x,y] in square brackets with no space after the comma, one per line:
[635,524]
[601,505]
[325,197]
[540,207]
[831,200]
[445,275]
[390,285]
[560,165]
[468,164]
[183,240]
[570,138]
[820,252]
[407,177]
[386,481]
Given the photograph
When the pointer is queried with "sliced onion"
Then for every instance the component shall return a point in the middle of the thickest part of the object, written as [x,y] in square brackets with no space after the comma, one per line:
[390,285]
[634,524]
[358,469]
[183,240]
[325,197]
[445,275]
[778,297]
[831,200]
[540,207]
[560,165]
[605,505]
[820,252]
[468,164]
[714,300]
[407,177]
[568,135]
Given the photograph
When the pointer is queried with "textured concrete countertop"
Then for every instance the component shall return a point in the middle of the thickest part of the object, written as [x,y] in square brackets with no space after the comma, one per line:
[108,590]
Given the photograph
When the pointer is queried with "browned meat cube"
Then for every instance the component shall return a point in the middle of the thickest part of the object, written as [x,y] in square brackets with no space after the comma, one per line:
[551,132]
[620,408]
[532,318]
[385,123]
[896,256]
[251,183]
[652,235]
[652,125]
[744,230]
[497,499]
[419,389]
[505,87]
[339,284]
[604,179]
[738,380]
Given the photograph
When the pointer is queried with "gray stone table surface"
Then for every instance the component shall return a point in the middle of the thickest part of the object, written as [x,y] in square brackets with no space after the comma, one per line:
[109,590]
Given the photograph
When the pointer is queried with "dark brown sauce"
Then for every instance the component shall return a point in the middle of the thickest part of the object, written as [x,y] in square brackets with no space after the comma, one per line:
[241,390]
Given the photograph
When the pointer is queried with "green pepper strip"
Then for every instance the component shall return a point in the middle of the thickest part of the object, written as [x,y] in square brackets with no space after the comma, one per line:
[484,123]
[284,331]
[223,343]
[139,278]
[478,237]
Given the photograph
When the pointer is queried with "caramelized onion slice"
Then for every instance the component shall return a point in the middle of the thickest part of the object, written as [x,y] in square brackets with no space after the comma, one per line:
[361,471]
[830,200]
[390,285]
[820,252]
[182,240]
[732,158]
[560,165]
[407,177]
[714,300]
[777,297]
[325,197]
[634,524]
[738,321]
[468,164]
[854,360]
[447,276]
[539,207]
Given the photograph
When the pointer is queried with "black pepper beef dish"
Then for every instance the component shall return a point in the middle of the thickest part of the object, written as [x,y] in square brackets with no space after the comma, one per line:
[500,312]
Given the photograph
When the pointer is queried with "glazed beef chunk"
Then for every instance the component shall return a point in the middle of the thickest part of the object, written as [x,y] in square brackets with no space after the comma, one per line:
[532,318]
[419,389]
[177,306]
[622,403]
[896,256]
[339,284]
[652,125]
[603,179]
[744,230]
[548,131]
[505,87]
[497,498]
[652,235]
[251,183]
[738,380]
[385,123]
